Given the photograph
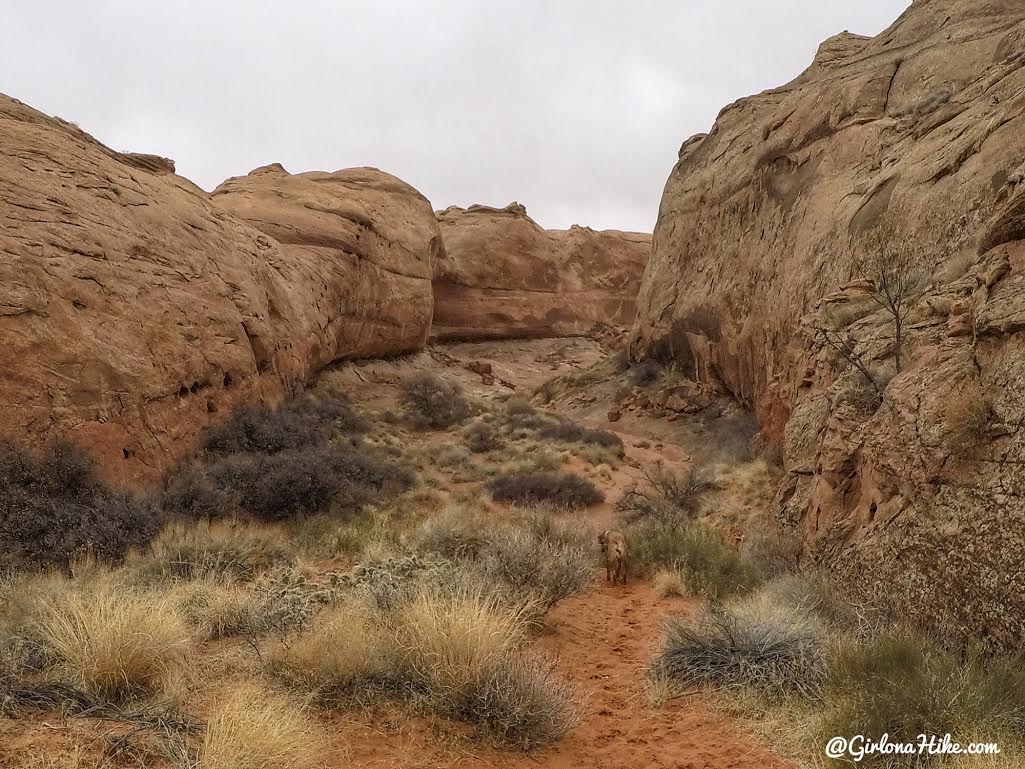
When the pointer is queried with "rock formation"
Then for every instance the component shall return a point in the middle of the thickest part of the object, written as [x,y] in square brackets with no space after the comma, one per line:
[133,310]
[504,276]
[360,243]
[914,497]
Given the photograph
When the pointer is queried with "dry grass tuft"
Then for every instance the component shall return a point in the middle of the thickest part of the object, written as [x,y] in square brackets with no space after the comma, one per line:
[669,583]
[347,650]
[114,643]
[217,610]
[452,649]
[254,728]
[449,643]
[966,412]
[222,550]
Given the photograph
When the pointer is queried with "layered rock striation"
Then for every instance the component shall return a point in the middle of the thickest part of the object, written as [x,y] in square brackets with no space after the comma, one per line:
[913,497]
[503,276]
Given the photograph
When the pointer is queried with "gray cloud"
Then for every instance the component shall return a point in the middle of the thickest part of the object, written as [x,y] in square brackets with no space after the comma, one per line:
[574,107]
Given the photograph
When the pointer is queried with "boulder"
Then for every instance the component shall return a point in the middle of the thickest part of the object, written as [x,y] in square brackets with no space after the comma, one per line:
[360,244]
[919,132]
[503,276]
[134,311]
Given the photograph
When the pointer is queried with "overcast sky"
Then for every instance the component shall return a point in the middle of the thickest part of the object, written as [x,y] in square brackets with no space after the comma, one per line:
[576,108]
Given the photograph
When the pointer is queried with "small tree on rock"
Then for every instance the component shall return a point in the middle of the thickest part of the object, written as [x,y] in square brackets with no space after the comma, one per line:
[894,267]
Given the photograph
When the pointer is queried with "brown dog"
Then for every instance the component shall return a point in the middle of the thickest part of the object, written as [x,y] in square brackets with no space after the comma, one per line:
[613,547]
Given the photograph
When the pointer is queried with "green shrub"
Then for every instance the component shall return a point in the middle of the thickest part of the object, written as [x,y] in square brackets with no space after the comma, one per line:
[431,403]
[902,686]
[710,567]
[566,490]
[457,533]
[547,569]
[325,536]
[458,461]
[535,557]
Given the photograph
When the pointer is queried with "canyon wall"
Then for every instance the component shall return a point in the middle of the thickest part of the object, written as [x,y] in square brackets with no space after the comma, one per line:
[503,276]
[134,309]
[914,498]
[362,246]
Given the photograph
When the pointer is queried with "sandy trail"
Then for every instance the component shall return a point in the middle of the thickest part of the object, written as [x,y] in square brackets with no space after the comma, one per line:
[602,642]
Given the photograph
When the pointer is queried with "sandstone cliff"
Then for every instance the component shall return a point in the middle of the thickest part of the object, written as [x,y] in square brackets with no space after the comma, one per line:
[360,244]
[919,130]
[133,310]
[504,276]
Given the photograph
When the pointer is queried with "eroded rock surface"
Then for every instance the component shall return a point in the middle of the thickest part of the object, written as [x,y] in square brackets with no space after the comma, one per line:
[361,244]
[921,128]
[504,276]
[133,311]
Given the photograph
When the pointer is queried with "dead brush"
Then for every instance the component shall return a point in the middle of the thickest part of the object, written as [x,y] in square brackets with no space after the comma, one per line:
[525,704]
[286,600]
[779,655]
[547,570]
[431,403]
[565,490]
[667,495]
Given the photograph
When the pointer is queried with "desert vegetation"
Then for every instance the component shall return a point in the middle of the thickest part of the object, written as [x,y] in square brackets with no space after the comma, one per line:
[297,539]
[560,489]
[803,665]
[432,403]
[317,564]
